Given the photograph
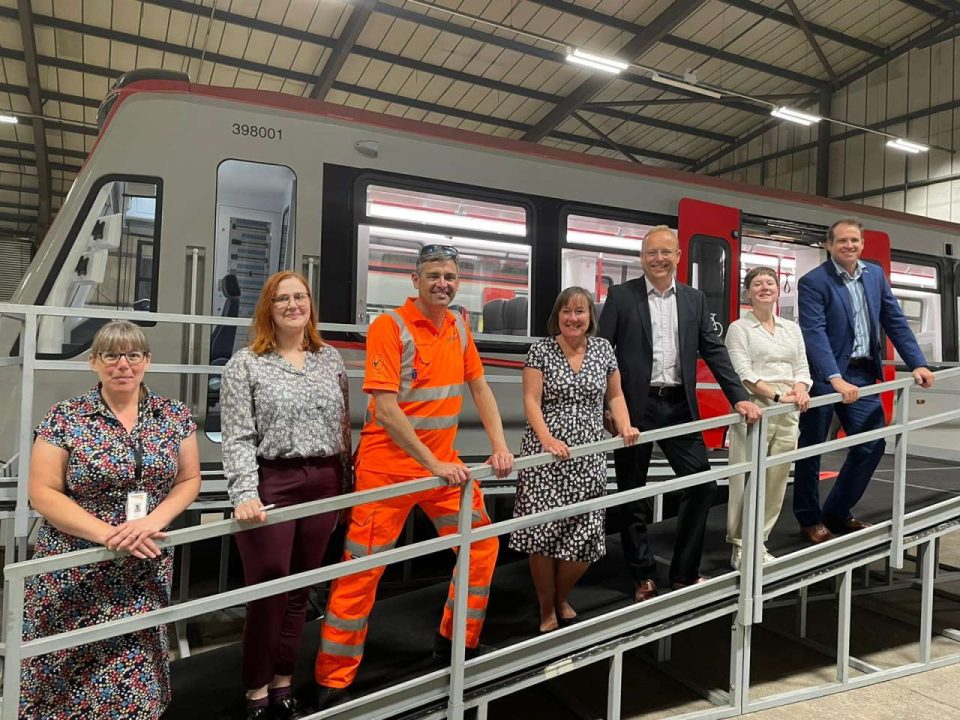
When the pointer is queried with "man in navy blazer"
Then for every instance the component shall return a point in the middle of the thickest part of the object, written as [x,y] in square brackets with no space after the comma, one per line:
[843,304]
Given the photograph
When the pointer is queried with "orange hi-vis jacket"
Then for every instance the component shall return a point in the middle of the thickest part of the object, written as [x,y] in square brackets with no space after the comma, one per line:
[426,367]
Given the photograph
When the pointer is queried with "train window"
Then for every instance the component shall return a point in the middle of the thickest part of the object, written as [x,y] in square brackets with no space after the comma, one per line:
[256,221]
[709,264]
[790,260]
[494,255]
[601,252]
[110,264]
[917,288]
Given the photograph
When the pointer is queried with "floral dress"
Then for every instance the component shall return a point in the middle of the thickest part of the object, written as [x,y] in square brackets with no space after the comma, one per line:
[572,407]
[126,677]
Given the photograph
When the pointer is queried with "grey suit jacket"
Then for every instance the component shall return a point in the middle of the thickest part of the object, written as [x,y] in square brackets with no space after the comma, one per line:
[625,322]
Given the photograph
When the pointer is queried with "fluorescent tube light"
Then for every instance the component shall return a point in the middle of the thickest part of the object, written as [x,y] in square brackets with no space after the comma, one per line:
[596,61]
[11,119]
[907,146]
[683,85]
[795,116]
[429,217]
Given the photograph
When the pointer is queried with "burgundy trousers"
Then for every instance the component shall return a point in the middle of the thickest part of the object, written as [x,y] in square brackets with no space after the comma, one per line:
[274,625]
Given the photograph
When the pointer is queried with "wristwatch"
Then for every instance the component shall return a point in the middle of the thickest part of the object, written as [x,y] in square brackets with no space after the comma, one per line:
[776,397]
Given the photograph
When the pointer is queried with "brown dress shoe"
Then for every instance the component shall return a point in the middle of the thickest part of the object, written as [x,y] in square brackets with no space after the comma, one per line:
[848,526]
[681,584]
[816,533]
[646,589]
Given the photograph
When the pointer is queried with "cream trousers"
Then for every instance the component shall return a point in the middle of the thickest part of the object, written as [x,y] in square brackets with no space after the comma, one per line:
[782,432]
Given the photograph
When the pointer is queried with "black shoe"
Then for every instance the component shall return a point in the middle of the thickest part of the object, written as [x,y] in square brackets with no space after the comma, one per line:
[286,709]
[328,696]
[259,713]
[443,649]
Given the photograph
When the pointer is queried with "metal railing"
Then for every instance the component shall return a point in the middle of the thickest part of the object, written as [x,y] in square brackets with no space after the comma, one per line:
[461,686]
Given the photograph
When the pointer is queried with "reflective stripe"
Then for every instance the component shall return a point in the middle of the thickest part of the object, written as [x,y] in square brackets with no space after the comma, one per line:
[441,392]
[340,623]
[483,591]
[407,353]
[359,550]
[435,422]
[472,613]
[443,521]
[461,330]
[341,649]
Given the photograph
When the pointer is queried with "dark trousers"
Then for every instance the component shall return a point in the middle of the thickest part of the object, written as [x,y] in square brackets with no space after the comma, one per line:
[687,455]
[271,633]
[863,415]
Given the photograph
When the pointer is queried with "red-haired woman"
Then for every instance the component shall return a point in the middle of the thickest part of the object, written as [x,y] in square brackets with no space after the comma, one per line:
[286,440]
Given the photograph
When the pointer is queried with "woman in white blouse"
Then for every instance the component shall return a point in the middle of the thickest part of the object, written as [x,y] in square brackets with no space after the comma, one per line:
[768,354]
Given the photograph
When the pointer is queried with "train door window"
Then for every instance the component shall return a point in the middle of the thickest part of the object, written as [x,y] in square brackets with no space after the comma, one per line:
[600,252]
[789,260]
[710,272]
[491,237]
[109,264]
[917,288]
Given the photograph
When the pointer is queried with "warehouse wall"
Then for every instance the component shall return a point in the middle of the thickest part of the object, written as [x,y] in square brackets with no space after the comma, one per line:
[924,82]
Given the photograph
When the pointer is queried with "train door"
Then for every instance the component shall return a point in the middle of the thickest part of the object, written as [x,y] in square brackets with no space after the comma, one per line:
[254,238]
[709,260]
[876,250]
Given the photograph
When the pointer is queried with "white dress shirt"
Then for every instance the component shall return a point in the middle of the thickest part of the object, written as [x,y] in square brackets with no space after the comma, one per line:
[757,354]
[666,339]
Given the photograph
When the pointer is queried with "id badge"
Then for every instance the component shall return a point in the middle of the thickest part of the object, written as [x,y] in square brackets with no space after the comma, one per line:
[136,505]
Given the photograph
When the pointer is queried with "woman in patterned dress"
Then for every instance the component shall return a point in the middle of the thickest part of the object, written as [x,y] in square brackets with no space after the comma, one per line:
[91,454]
[567,379]
[286,440]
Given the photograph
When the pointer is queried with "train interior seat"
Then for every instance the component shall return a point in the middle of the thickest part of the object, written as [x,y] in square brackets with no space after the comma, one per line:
[515,316]
[494,318]
[221,347]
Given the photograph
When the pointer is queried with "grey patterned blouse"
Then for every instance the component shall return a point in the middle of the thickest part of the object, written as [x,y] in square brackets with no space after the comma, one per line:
[270,409]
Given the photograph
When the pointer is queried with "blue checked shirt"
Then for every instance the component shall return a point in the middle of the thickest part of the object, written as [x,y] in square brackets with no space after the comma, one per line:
[858,298]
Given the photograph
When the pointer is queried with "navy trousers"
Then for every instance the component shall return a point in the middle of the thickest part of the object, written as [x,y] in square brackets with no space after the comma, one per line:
[863,415]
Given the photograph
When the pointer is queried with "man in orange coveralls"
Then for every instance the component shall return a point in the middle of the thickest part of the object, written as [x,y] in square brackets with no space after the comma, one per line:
[418,358]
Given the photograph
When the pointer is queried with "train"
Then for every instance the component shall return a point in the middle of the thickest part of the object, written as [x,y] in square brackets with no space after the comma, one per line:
[193,195]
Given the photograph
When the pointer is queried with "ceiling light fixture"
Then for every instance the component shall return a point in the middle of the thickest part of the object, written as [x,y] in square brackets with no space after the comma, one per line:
[596,61]
[689,86]
[795,116]
[11,119]
[907,146]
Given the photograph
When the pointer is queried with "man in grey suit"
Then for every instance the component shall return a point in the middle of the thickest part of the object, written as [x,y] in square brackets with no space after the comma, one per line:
[658,327]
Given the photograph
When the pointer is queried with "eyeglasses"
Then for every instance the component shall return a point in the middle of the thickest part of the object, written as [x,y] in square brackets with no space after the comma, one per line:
[299,298]
[133,358]
[434,249]
[662,252]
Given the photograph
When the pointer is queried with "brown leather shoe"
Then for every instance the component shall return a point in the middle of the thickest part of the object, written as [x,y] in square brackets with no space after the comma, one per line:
[681,584]
[646,589]
[848,526]
[816,534]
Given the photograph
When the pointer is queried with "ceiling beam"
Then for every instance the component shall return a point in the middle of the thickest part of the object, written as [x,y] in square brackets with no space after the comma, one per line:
[635,48]
[930,8]
[781,97]
[359,14]
[846,80]
[805,29]
[849,40]
[388,58]
[584,13]
[25,15]
[608,141]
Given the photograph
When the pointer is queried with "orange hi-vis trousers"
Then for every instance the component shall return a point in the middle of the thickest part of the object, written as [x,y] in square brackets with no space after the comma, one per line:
[375,527]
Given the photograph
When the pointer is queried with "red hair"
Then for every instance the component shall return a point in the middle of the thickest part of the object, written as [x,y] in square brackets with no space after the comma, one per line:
[263,333]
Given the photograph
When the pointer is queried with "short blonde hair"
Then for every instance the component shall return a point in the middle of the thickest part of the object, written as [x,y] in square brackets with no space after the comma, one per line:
[119,335]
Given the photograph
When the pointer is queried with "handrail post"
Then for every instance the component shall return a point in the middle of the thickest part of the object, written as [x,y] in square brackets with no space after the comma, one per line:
[12,662]
[757,538]
[461,593]
[901,415]
[29,350]
[748,523]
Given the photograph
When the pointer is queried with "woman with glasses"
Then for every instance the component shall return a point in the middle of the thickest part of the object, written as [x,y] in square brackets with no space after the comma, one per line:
[111,467]
[769,355]
[567,379]
[286,440]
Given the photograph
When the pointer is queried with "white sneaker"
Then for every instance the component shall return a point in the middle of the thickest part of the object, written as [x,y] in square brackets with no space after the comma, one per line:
[735,557]
[767,555]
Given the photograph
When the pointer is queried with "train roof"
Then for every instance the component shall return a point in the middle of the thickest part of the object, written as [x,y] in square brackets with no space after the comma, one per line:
[342,113]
